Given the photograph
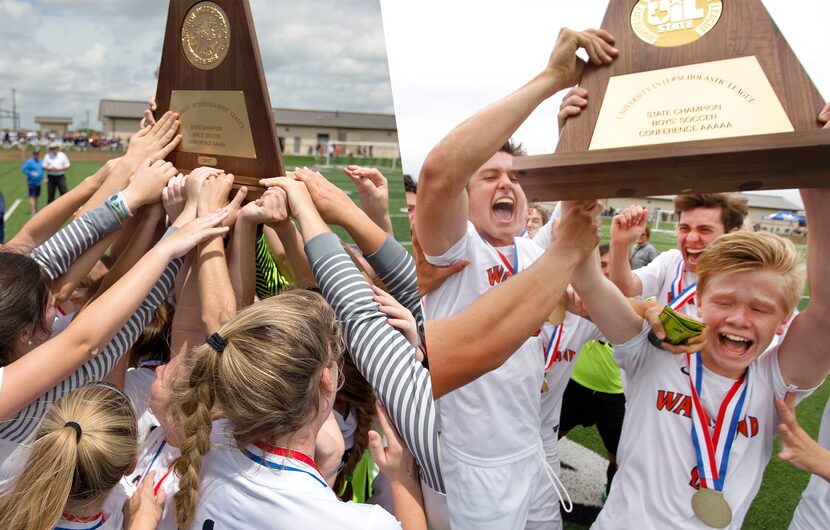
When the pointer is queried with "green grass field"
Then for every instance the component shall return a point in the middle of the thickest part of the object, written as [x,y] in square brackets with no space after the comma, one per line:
[13,186]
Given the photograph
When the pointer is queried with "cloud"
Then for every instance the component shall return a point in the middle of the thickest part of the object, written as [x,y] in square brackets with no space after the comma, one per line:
[64,56]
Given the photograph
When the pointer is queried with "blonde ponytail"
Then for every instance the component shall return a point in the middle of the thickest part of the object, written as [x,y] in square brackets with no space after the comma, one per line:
[195,403]
[267,382]
[66,469]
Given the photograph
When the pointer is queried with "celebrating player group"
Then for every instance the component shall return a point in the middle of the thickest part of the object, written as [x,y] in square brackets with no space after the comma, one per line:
[179,356]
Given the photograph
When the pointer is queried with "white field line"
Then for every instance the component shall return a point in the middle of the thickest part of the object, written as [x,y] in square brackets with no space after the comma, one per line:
[11,210]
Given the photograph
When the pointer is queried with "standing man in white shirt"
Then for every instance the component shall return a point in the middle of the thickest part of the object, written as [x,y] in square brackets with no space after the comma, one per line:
[55,163]
[472,207]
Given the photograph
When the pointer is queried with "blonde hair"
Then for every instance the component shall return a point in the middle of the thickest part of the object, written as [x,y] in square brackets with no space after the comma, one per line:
[754,251]
[358,393]
[66,470]
[267,382]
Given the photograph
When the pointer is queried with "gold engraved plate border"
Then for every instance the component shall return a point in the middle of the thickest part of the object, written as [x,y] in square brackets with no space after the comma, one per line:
[666,24]
[213,122]
[718,99]
[206,35]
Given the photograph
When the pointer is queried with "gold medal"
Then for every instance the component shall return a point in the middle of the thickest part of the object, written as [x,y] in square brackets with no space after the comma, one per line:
[711,508]
[545,386]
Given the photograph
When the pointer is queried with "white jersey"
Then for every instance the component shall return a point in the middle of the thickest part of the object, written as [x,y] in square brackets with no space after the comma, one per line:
[239,489]
[575,332]
[659,275]
[103,521]
[137,383]
[493,420]
[155,455]
[814,509]
[658,467]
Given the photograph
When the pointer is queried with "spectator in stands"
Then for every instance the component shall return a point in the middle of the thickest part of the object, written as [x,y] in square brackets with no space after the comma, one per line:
[643,252]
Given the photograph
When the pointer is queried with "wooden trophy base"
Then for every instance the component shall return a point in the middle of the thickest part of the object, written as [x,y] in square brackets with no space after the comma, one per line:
[763,162]
[705,96]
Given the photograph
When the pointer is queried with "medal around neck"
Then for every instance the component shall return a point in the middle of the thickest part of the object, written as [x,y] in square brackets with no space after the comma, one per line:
[711,508]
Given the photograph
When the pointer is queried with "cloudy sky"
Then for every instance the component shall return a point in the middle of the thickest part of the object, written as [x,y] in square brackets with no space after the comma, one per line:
[449,59]
[64,56]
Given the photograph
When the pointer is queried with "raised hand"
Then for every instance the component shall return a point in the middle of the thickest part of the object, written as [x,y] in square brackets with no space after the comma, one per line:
[373,191]
[148,119]
[574,101]
[577,229]
[399,317]
[628,224]
[300,202]
[173,198]
[215,191]
[147,183]
[196,231]
[566,66]
[156,142]
[271,208]
[797,447]
[331,202]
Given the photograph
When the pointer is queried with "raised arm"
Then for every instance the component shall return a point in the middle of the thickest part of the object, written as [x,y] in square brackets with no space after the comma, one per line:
[386,368]
[803,356]
[373,191]
[218,300]
[488,333]
[609,309]
[148,145]
[30,376]
[625,228]
[442,198]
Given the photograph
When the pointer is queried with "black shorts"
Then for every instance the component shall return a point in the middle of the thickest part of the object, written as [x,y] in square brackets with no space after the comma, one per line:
[34,191]
[586,407]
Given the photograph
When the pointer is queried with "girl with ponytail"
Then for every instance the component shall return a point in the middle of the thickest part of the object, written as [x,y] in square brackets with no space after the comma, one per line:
[85,444]
[270,375]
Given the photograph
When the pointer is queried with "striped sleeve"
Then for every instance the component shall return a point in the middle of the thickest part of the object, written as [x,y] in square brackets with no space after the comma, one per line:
[396,268]
[381,353]
[21,426]
[60,251]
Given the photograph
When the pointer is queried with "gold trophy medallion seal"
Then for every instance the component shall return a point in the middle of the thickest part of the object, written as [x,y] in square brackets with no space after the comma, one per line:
[206,35]
[667,23]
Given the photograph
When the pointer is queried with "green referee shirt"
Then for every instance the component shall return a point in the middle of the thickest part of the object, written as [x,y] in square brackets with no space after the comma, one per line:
[595,368]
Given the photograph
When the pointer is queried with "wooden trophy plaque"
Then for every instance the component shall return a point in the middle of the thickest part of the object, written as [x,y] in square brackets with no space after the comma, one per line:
[211,74]
[705,96]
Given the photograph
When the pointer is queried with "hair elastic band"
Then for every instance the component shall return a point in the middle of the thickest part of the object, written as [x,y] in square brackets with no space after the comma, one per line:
[77,428]
[216,342]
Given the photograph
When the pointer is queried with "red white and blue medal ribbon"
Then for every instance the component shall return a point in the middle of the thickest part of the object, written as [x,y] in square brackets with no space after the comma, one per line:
[712,447]
[680,296]
[279,458]
[553,346]
[512,268]
[75,522]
